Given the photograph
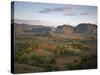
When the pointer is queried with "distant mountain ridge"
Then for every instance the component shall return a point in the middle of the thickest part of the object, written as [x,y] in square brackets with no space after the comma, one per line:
[25,28]
[83,28]
[64,29]
[86,28]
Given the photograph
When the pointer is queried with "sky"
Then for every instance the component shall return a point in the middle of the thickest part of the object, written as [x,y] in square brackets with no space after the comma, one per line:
[50,14]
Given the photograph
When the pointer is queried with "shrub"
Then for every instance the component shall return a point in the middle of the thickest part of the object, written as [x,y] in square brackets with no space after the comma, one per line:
[81,46]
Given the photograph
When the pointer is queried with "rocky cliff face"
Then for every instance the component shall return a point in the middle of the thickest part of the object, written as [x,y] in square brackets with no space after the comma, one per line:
[83,28]
[64,29]
[86,28]
[24,28]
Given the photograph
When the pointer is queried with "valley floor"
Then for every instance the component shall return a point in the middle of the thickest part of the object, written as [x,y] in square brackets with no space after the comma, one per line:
[52,53]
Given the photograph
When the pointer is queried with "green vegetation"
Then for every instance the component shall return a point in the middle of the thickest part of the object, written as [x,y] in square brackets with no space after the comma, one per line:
[45,53]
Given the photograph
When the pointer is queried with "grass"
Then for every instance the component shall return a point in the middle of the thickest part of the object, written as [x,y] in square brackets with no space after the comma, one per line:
[53,54]
[23,68]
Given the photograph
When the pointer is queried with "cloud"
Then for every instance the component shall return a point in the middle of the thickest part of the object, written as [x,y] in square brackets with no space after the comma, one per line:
[78,14]
[37,22]
[59,9]
[66,11]
[71,14]
[85,13]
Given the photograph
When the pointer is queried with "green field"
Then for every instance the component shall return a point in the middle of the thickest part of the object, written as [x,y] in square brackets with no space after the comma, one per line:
[45,53]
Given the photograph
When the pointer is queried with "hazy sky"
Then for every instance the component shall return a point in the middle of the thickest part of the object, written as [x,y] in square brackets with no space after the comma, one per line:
[54,14]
